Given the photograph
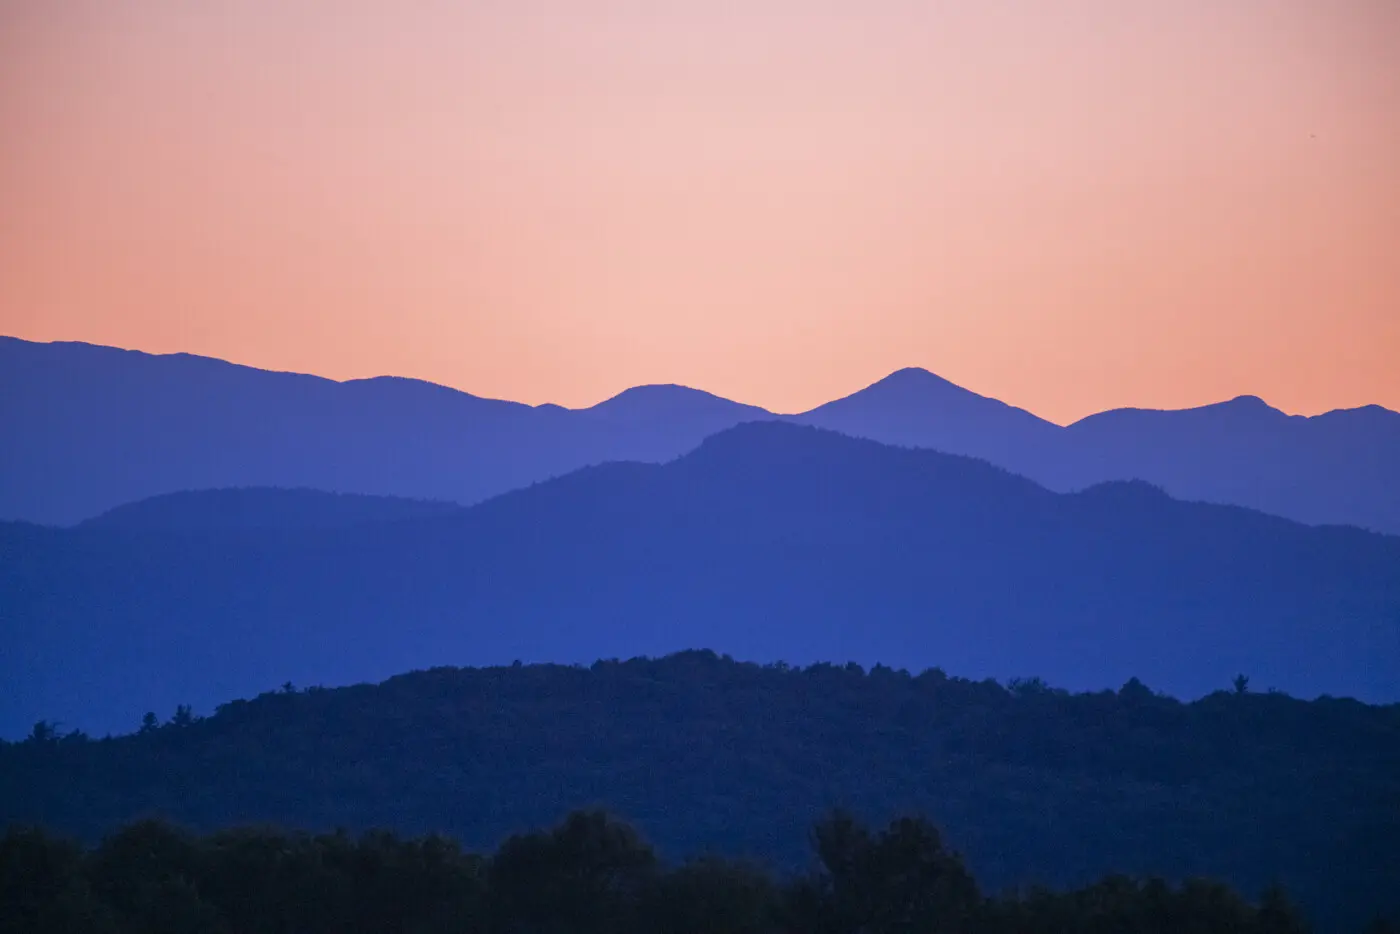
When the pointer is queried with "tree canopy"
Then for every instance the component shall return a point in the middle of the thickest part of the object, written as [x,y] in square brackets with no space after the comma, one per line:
[591,874]
[1033,785]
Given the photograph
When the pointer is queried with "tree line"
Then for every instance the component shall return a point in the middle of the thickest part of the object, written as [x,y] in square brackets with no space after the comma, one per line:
[1033,784]
[590,874]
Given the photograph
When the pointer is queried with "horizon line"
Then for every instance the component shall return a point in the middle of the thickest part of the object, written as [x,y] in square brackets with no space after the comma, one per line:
[660,385]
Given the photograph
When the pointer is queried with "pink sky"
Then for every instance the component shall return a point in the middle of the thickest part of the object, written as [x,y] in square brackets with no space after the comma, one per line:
[1069,205]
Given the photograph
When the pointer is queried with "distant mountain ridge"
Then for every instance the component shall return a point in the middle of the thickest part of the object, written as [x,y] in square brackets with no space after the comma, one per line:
[90,428]
[768,541]
[261,508]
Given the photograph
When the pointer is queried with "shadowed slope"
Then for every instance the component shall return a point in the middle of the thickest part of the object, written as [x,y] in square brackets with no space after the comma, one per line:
[769,541]
[261,508]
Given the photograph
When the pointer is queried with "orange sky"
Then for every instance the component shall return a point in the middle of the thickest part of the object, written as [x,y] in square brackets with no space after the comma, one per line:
[1067,204]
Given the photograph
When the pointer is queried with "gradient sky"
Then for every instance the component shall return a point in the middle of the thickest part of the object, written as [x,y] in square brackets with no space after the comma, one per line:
[1069,205]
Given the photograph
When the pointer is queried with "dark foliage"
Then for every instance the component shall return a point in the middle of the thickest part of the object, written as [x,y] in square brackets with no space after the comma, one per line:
[592,874]
[1035,785]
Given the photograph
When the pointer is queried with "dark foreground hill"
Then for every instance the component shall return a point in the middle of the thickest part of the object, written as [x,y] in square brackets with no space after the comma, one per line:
[1032,784]
[770,541]
[88,428]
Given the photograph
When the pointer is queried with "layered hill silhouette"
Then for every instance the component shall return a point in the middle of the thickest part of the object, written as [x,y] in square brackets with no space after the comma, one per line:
[769,541]
[89,428]
[262,508]
[914,408]
[709,755]
[1335,468]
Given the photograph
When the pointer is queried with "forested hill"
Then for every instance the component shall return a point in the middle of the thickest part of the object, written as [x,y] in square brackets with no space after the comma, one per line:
[1031,783]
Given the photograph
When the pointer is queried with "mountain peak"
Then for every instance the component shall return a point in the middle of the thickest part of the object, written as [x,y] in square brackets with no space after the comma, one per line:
[916,408]
[1249,406]
[1246,406]
[913,378]
[665,400]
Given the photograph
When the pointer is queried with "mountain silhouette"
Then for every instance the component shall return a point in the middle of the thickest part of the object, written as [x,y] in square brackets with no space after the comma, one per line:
[669,402]
[657,423]
[90,428]
[1335,468]
[769,541]
[1338,467]
[915,408]
[261,508]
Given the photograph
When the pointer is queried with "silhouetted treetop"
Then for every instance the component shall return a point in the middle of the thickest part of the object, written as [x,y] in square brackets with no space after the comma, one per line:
[1030,782]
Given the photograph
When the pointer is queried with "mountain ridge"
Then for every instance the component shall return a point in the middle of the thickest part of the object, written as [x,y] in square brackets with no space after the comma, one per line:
[770,540]
[92,428]
[260,508]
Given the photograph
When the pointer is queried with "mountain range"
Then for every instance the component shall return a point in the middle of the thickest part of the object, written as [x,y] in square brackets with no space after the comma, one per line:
[769,541]
[89,428]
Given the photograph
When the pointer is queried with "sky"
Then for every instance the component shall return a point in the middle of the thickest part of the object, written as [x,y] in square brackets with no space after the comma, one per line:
[1070,205]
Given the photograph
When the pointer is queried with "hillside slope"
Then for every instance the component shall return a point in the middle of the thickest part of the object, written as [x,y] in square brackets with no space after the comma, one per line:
[770,541]
[261,508]
[1033,784]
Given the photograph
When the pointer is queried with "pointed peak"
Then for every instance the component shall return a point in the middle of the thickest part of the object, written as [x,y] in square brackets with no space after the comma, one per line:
[912,385]
[915,376]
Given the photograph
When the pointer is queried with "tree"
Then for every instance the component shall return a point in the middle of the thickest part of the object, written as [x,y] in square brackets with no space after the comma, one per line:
[711,896]
[1135,690]
[1028,687]
[145,874]
[149,723]
[43,889]
[43,733]
[901,881]
[589,875]
[1241,683]
[1277,915]
[74,737]
[183,716]
[586,875]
